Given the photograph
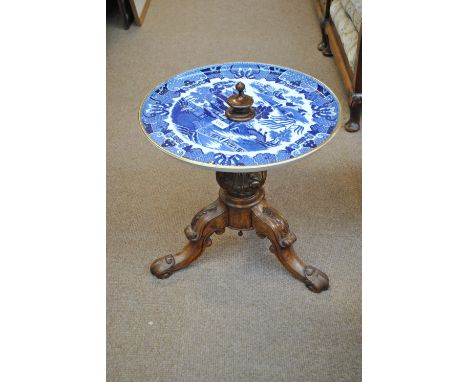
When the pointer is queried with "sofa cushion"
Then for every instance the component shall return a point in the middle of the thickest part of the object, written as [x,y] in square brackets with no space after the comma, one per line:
[353,9]
[346,29]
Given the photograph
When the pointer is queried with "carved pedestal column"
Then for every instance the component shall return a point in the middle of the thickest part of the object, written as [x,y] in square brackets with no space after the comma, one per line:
[241,206]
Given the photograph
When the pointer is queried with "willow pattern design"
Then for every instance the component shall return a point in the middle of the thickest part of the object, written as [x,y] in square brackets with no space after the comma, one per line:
[294,115]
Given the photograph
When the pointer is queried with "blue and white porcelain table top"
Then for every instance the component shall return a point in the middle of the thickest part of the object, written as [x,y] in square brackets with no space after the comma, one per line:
[295,115]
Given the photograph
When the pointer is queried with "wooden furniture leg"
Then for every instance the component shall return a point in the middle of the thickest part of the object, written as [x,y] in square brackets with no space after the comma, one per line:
[355,110]
[324,45]
[268,222]
[211,219]
[126,12]
[355,100]
[242,206]
[331,45]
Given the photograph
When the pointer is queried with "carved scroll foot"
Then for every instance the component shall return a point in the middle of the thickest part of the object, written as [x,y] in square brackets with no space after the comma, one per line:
[316,280]
[269,223]
[163,267]
[212,219]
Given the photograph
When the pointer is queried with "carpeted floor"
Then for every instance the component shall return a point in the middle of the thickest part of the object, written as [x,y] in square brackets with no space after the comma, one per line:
[235,314]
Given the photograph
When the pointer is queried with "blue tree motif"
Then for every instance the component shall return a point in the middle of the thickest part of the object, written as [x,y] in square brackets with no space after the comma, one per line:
[262,111]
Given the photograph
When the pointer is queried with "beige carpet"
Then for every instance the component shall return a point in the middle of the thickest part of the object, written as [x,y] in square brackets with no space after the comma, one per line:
[235,314]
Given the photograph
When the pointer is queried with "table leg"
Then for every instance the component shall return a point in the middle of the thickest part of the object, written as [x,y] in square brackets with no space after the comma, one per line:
[241,206]
[268,222]
[211,219]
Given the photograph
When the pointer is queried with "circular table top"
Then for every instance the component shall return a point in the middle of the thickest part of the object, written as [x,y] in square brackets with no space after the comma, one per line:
[295,115]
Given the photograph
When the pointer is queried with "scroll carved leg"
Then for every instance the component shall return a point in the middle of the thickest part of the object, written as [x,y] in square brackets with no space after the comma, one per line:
[211,219]
[269,223]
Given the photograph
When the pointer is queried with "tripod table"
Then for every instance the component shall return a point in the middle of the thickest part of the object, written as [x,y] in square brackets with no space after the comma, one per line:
[240,119]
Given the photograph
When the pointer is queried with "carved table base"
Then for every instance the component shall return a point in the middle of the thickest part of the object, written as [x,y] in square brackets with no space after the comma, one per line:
[241,206]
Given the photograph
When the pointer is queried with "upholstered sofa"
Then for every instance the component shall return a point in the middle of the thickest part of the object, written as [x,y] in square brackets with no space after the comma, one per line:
[341,25]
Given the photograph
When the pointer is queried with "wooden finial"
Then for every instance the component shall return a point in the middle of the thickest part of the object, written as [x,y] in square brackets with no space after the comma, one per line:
[240,105]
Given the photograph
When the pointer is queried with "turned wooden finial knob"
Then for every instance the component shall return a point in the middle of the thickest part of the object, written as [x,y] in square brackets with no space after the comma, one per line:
[240,87]
[240,105]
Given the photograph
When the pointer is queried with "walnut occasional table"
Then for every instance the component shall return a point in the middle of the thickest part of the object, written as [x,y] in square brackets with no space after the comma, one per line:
[240,119]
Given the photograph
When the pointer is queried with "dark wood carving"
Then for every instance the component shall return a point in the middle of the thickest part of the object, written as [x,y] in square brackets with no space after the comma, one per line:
[267,222]
[241,184]
[191,231]
[242,206]
[285,237]
[211,220]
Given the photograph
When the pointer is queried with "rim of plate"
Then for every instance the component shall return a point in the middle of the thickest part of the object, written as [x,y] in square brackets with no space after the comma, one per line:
[231,168]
